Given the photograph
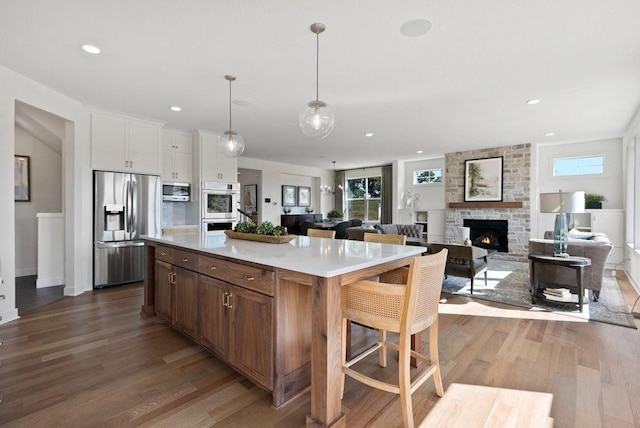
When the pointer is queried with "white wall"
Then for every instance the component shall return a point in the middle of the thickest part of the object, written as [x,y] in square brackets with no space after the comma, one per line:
[609,184]
[76,179]
[46,197]
[431,196]
[275,174]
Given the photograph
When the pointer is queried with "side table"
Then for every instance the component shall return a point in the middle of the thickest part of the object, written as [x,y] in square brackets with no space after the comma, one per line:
[574,262]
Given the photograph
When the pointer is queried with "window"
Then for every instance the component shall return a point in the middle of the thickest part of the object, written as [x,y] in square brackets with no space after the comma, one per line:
[584,165]
[427,176]
[364,198]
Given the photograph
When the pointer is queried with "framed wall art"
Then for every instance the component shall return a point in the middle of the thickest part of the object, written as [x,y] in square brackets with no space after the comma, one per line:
[22,178]
[483,179]
[288,196]
[250,198]
[304,196]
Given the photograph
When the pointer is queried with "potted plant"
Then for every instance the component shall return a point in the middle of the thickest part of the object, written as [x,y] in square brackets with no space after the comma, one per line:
[334,215]
[593,201]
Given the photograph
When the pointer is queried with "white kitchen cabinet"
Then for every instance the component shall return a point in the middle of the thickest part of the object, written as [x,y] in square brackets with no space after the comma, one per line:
[177,156]
[213,165]
[121,143]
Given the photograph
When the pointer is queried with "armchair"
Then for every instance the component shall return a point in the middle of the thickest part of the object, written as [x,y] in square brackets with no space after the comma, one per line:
[463,260]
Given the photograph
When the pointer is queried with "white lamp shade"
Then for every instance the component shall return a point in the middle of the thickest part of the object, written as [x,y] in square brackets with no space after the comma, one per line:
[317,119]
[231,144]
[559,202]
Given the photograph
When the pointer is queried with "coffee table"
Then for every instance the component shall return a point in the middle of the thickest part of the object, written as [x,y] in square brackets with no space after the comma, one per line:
[573,262]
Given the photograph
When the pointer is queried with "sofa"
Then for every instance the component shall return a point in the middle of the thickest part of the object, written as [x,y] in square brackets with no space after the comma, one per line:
[413,232]
[596,247]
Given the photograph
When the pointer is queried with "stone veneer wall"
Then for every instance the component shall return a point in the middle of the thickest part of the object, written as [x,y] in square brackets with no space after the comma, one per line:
[515,187]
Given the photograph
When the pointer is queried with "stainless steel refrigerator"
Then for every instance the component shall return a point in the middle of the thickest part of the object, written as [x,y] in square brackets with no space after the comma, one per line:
[126,206]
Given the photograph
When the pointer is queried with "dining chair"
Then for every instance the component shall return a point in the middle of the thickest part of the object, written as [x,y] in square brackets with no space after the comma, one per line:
[385,238]
[403,309]
[321,233]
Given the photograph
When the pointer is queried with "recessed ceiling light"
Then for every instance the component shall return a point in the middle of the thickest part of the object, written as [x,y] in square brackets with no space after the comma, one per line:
[415,27]
[549,134]
[420,152]
[176,108]
[533,101]
[369,134]
[91,49]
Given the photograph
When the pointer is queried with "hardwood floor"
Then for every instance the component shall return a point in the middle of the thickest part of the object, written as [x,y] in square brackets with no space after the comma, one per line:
[93,361]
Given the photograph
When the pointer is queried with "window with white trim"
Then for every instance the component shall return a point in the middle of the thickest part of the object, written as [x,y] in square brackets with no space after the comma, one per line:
[583,165]
[427,176]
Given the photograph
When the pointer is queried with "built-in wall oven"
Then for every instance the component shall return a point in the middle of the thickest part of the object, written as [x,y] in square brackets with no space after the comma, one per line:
[220,201]
[219,206]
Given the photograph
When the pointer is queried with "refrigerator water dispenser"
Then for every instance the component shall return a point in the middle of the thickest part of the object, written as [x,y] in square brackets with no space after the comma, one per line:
[113,217]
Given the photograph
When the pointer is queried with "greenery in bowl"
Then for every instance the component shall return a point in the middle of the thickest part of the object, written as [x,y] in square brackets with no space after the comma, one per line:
[334,214]
[593,197]
[264,228]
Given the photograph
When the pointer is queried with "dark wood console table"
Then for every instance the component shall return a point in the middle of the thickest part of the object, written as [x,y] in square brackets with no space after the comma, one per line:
[577,263]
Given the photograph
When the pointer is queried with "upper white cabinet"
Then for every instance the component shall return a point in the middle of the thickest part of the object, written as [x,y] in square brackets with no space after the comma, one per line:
[211,164]
[121,143]
[177,156]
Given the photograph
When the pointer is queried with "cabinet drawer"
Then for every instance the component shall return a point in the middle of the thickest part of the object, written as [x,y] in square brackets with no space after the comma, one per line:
[213,267]
[260,280]
[185,259]
[165,254]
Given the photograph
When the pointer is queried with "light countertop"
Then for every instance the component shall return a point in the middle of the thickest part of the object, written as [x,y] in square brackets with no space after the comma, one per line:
[312,256]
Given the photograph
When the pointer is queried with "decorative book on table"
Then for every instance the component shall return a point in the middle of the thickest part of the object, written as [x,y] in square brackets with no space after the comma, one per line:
[560,295]
[558,291]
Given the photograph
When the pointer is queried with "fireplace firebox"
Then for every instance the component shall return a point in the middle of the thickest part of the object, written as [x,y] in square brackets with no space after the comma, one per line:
[489,234]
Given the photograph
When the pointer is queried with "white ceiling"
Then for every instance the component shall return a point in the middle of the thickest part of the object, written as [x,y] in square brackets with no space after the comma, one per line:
[461,86]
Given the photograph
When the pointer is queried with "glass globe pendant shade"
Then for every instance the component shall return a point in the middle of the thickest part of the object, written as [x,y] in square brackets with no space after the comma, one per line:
[231,144]
[317,119]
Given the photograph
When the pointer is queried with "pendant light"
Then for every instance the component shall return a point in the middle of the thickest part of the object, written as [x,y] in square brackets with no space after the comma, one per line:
[317,119]
[230,143]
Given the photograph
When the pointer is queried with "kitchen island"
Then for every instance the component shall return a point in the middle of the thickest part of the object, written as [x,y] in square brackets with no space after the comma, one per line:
[272,311]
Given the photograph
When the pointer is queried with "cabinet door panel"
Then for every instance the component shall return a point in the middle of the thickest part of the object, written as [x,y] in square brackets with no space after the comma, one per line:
[182,166]
[108,142]
[213,323]
[251,341]
[144,147]
[162,293]
[186,301]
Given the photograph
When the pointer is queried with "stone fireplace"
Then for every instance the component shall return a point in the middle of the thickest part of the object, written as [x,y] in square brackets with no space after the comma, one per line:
[489,234]
[513,210]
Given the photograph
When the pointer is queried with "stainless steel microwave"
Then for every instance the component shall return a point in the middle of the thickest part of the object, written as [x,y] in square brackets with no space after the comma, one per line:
[176,192]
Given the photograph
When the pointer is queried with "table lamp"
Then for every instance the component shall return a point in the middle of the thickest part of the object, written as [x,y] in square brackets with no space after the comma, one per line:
[562,204]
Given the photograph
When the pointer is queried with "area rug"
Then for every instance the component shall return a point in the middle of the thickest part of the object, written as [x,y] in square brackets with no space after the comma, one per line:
[508,282]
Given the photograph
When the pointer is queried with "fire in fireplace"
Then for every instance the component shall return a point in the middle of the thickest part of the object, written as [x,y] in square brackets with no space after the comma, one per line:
[489,234]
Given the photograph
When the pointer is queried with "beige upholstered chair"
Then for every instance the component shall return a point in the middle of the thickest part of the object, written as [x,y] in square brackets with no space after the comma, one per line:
[385,239]
[404,309]
[464,260]
[321,233]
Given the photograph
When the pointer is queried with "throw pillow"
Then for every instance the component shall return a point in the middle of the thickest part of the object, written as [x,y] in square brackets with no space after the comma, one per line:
[576,234]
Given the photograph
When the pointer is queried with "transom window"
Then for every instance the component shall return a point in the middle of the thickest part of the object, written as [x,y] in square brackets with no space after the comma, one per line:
[427,176]
[364,198]
[584,165]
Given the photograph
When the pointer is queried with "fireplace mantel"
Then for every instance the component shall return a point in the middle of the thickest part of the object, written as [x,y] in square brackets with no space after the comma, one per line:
[489,204]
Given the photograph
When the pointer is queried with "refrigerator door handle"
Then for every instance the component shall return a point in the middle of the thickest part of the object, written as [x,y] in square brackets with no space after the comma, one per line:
[101,244]
[129,200]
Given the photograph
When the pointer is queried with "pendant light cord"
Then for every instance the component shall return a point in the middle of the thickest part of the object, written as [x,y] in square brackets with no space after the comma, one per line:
[317,67]
[230,106]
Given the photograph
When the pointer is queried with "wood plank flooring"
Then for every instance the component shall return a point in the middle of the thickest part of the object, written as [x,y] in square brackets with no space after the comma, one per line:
[94,361]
